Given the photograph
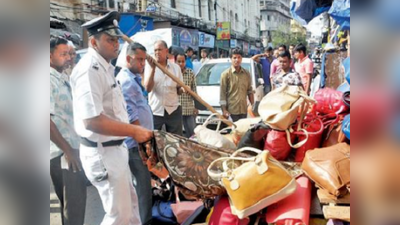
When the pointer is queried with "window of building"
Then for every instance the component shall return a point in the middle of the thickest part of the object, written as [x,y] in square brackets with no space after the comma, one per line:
[224,13]
[237,21]
[269,18]
[111,4]
[173,4]
[209,10]
[199,2]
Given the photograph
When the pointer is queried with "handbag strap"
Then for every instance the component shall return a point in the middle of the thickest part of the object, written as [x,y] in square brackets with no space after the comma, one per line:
[220,175]
[249,149]
[177,199]
[210,119]
[301,143]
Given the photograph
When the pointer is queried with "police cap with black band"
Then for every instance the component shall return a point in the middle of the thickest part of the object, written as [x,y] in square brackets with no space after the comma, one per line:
[107,23]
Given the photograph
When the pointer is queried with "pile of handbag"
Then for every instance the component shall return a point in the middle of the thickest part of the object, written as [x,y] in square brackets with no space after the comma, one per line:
[200,172]
[246,164]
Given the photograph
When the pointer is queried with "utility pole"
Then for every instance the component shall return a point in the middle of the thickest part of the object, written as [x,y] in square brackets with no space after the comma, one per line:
[216,21]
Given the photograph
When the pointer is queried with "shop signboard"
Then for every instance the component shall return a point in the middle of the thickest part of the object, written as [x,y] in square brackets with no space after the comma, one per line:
[184,37]
[245,47]
[223,30]
[234,43]
[206,40]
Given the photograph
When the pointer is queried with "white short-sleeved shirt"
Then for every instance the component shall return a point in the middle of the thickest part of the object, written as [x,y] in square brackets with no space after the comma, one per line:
[164,96]
[96,91]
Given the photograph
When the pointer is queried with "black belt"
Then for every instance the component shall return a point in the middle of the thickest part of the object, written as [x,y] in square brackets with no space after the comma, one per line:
[89,143]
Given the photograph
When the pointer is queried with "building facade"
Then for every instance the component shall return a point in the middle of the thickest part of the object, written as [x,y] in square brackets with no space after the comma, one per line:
[202,15]
[275,16]
[244,15]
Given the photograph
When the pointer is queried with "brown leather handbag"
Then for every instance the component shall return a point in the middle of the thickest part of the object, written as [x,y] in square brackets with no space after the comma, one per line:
[329,168]
[334,135]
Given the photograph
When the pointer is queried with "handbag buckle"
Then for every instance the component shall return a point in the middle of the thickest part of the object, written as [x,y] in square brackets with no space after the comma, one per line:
[234,185]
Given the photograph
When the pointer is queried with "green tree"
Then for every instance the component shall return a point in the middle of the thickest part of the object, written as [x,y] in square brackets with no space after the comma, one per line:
[280,36]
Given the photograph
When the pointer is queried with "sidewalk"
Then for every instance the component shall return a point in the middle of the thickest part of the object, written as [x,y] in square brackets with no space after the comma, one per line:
[94,208]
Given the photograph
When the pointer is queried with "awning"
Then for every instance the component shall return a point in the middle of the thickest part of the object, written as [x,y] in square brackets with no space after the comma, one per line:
[340,12]
[304,11]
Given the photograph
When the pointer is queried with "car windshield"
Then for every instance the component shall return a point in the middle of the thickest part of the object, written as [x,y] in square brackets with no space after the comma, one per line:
[210,74]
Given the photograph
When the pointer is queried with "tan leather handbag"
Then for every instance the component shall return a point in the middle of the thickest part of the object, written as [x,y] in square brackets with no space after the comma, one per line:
[280,108]
[252,183]
[329,168]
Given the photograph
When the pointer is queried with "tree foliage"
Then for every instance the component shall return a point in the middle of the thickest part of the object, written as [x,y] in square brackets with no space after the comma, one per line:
[281,37]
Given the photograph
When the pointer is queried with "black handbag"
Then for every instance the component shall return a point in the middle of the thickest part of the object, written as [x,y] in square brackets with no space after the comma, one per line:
[255,137]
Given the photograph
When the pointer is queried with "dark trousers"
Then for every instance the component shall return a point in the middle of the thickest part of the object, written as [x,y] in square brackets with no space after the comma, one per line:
[142,185]
[173,122]
[267,89]
[189,123]
[70,189]
[238,117]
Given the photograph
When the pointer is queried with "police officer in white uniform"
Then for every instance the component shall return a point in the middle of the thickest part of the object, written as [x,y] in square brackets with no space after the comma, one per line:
[102,122]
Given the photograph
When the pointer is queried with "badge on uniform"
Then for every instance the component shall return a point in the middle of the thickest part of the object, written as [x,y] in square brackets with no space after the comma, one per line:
[95,66]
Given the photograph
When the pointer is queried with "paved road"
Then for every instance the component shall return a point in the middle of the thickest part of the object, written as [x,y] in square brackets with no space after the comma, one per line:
[94,208]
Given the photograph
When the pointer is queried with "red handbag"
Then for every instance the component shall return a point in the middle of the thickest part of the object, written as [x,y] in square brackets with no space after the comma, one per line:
[329,101]
[315,128]
[295,209]
[222,214]
[276,143]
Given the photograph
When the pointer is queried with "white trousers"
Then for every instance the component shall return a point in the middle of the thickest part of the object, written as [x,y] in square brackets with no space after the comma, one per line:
[108,170]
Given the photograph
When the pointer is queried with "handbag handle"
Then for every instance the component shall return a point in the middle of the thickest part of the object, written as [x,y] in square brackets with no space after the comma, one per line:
[218,176]
[316,118]
[237,152]
[301,143]
[209,120]
[258,151]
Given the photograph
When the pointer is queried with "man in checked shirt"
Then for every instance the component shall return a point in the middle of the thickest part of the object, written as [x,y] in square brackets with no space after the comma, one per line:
[189,112]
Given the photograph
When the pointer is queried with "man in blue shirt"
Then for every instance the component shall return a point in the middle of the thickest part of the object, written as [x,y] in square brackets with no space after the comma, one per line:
[189,54]
[139,114]
[265,60]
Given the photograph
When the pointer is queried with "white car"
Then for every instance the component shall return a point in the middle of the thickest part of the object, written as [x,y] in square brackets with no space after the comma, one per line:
[208,83]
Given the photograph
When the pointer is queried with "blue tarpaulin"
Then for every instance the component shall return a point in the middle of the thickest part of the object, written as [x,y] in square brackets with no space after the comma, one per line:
[304,11]
[340,12]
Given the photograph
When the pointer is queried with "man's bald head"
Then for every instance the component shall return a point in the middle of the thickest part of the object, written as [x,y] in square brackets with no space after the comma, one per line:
[161,42]
[161,51]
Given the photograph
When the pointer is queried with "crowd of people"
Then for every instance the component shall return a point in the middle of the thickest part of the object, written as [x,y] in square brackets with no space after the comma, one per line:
[98,120]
